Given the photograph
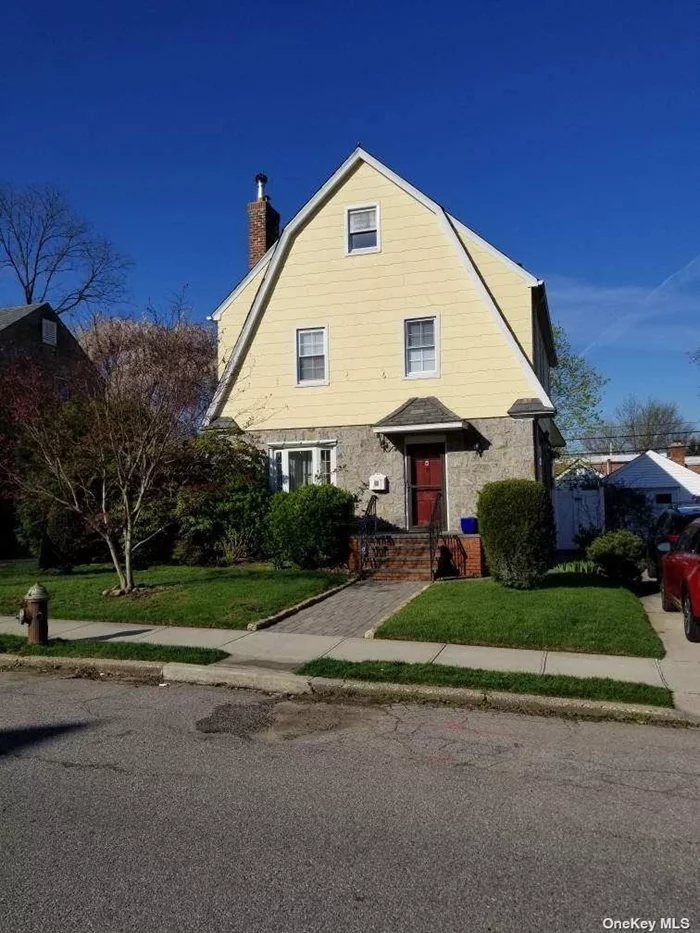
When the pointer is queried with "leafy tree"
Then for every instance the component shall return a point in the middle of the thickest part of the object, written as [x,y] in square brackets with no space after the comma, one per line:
[120,443]
[53,254]
[639,425]
[576,389]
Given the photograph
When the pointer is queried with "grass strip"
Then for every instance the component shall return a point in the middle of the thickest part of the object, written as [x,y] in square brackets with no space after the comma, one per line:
[119,650]
[569,612]
[553,685]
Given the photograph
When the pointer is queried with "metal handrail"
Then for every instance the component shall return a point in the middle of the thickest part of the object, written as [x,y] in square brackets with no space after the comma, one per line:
[458,553]
[434,530]
[368,528]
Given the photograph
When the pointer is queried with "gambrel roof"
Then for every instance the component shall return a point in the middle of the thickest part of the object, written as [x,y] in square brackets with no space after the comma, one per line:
[271,263]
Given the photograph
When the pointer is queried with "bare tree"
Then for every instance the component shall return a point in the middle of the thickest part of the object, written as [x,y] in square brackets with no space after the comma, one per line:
[54,254]
[641,425]
[121,441]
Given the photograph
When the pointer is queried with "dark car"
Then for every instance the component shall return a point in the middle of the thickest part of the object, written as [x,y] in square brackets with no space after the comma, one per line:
[666,530]
[680,578]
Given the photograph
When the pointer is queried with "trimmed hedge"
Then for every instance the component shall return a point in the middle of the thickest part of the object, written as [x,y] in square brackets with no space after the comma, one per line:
[621,555]
[311,526]
[516,521]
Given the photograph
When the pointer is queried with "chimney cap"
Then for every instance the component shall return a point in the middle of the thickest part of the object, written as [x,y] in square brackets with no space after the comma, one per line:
[261,181]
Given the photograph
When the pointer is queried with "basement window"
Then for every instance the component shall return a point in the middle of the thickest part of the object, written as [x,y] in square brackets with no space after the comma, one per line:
[362,227]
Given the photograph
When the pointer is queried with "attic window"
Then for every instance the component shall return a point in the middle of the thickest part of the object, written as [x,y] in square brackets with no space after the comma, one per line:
[363,229]
[48,332]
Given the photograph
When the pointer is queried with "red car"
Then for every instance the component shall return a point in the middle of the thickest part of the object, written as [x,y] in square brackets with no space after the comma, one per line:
[680,578]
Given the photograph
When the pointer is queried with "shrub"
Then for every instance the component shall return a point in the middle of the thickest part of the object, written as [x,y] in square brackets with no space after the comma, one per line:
[619,554]
[311,526]
[627,508]
[586,536]
[583,567]
[229,525]
[222,508]
[517,527]
[58,538]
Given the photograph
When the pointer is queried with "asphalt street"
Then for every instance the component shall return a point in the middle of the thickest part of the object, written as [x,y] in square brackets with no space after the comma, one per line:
[191,809]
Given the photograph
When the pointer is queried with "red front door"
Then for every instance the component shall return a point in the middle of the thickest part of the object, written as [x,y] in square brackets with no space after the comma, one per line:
[427,470]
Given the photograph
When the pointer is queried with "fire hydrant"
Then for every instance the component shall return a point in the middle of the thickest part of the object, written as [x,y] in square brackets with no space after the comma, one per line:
[35,614]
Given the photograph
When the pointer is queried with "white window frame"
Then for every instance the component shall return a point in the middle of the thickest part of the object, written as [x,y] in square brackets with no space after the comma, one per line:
[285,448]
[305,383]
[367,249]
[49,332]
[428,374]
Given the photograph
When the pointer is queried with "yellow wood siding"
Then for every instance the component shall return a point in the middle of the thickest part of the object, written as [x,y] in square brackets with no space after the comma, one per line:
[230,324]
[510,292]
[363,301]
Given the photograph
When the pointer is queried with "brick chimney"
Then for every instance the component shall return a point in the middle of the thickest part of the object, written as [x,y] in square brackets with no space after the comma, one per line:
[676,452]
[263,223]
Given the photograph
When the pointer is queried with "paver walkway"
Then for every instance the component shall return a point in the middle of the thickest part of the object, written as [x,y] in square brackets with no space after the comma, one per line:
[353,610]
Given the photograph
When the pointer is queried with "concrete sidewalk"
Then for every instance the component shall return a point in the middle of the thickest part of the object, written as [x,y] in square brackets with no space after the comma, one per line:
[287,651]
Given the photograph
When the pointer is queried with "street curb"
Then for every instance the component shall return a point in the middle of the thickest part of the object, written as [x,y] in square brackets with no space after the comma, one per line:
[252,678]
[292,610]
[141,671]
[283,682]
[371,632]
[507,702]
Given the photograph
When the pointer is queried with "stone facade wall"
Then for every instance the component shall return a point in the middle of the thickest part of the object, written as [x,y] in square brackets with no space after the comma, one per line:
[495,448]
[359,453]
[502,449]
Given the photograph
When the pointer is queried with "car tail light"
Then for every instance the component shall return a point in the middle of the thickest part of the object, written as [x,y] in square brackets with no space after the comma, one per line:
[672,538]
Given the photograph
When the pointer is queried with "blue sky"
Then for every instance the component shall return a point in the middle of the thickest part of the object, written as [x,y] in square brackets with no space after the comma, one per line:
[567,134]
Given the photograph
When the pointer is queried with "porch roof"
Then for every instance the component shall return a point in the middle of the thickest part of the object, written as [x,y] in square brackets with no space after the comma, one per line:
[420,414]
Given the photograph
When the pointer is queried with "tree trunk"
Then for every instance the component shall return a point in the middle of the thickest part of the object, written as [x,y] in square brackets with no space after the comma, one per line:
[116,562]
[128,562]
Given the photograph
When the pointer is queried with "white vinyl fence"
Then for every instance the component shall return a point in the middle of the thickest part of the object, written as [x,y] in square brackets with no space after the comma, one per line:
[576,509]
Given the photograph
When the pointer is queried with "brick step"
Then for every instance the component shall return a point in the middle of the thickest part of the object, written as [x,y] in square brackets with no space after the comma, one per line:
[394,563]
[401,575]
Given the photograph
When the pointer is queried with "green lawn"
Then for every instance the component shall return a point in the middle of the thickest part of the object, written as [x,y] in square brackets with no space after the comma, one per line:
[570,612]
[121,650]
[399,672]
[213,597]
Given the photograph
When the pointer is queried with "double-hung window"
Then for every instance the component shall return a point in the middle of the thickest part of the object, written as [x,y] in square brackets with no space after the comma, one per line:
[363,229]
[311,356]
[421,347]
[295,466]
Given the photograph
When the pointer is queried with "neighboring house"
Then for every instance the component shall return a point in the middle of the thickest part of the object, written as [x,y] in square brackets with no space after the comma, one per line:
[32,335]
[36,330]
[605,464]
[379,337]
[578,475]
[665,481]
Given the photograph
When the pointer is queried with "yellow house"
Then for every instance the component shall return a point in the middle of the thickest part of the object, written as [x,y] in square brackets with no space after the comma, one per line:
[380,344]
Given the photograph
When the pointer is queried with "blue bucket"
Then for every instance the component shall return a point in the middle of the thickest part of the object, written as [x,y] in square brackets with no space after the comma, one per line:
[469,525]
